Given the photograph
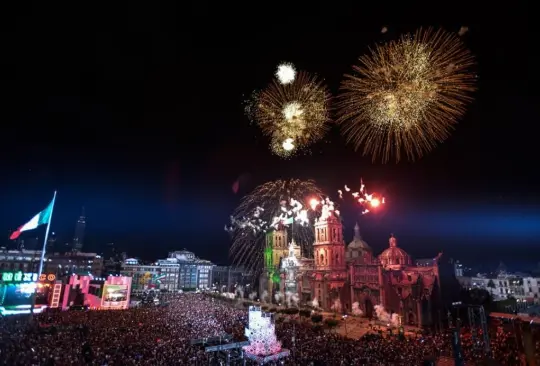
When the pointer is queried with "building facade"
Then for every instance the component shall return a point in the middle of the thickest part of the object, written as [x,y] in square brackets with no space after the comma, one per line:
[182,270]
[338,276]
[60,264]
[227,278]
[144,276]
[524,288]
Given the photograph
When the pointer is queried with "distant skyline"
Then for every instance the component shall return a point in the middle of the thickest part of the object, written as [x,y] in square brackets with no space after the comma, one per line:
[493,230]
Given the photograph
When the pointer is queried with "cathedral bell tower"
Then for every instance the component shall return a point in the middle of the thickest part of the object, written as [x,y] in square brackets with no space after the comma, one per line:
[275,250]
[329,248]
[330,273]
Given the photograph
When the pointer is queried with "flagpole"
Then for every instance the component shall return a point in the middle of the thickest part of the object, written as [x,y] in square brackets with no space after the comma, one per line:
[42,259]
[46,237]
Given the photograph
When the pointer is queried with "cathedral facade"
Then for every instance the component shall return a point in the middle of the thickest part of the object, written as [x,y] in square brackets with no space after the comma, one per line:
[339,275]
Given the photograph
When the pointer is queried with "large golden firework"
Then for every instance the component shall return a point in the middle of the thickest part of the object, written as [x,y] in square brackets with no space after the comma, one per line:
[257,214]
[293,114]
[407,94]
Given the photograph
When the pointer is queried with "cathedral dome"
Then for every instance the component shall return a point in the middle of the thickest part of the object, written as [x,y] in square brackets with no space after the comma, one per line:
[357,248]
[394,256]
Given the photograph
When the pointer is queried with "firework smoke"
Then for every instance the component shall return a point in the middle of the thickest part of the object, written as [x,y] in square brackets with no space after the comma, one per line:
[356,309]
[384,316]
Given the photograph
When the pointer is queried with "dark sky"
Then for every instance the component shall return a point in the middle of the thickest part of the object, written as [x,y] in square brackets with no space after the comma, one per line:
[136,113]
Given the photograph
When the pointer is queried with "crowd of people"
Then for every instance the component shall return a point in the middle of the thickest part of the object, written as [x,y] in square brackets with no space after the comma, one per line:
[161,335]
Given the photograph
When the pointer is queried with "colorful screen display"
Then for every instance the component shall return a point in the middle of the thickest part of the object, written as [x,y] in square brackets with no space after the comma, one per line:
[114,295]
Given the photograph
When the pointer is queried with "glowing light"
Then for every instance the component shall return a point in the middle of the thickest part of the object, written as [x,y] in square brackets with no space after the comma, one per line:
[314,203]
[286,73]
[293,111]
[288,144]
[27,288]
[375,202]
[296,110]
[406,95]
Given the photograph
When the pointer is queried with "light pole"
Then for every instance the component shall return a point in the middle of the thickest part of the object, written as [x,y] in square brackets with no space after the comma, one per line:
[344,317]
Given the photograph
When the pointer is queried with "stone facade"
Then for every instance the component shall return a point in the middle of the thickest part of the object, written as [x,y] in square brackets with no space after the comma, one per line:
[338,276]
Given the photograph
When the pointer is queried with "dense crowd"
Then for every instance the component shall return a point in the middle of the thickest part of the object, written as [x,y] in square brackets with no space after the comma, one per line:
[161,336]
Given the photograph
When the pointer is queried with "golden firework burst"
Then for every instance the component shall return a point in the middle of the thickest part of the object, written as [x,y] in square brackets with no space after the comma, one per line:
[294,115]
[407,94]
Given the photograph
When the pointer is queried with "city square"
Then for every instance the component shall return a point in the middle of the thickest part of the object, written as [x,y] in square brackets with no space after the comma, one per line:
[303,184]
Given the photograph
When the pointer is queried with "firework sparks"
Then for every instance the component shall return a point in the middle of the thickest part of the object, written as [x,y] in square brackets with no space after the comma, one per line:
[286,73]
[407,94]
[368,201]
[274,205]
[293,114]
[294,205]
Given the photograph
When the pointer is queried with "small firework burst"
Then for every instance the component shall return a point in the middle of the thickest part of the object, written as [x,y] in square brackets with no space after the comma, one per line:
[286,73]
[407,94]
[368,201]
[294,114]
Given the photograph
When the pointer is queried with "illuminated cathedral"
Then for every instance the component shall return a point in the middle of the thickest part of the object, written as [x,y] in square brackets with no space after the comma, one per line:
[339,275]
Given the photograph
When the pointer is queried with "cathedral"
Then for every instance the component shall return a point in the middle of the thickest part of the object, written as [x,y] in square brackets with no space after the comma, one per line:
[339,275]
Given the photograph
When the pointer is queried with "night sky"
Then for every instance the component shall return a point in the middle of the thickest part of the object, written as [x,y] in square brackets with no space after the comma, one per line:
[136,113]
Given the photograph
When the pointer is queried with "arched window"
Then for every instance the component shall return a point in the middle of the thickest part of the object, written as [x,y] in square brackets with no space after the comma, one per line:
[322,259]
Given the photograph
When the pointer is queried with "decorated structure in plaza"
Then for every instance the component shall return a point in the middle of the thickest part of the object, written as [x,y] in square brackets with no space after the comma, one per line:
[339,275]
[264,346]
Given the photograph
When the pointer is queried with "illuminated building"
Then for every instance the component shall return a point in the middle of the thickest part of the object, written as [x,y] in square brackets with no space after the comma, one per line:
[57,263]
[194,273]
[276,248]
[78,239]
[74,262]
[338,276]
[524,288]
[142,274]
[182,270]
[225,278]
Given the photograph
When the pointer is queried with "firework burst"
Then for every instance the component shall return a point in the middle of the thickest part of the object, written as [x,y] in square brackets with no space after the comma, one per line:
[280,202]
[286,73]
[406,95]
[368,201]
[292,111]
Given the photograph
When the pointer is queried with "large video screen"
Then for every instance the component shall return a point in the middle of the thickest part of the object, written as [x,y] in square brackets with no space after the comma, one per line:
[14,294]
[114,295]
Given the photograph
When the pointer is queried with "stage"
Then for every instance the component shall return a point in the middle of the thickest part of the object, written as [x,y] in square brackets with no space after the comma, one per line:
[261,360]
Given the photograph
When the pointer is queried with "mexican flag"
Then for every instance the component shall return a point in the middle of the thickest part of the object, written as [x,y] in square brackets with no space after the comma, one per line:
[42,218]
